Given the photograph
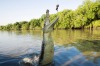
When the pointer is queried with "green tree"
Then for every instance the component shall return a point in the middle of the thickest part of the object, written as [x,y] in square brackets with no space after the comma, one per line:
[84,16]
[16,26]
[25,26]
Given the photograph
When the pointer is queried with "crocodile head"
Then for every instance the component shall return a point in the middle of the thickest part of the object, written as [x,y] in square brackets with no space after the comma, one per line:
[48,27]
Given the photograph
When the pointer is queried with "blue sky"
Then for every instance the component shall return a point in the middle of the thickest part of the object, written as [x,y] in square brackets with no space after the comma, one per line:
[12,11]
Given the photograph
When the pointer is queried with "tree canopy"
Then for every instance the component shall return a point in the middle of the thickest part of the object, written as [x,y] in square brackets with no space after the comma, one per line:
[86,15]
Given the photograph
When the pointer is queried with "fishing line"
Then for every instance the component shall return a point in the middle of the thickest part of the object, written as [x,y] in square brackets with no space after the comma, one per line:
[57,1]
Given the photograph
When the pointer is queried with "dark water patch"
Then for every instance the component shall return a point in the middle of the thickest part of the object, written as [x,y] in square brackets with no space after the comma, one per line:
[64,56]
[8,61]
[70,56]
[89,48]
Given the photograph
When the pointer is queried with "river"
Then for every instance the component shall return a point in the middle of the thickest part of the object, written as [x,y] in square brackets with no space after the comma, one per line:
[72,47]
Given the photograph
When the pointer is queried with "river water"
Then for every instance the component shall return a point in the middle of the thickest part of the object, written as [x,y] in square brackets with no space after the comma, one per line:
[72,47]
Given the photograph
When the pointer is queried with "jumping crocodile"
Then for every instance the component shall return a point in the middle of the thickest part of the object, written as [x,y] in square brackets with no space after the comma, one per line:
[47,50]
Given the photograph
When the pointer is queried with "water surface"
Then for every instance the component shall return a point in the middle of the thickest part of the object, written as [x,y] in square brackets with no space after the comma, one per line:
[72,47]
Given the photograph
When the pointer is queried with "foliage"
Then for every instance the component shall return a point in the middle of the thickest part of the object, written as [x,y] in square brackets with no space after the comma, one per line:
[87,14]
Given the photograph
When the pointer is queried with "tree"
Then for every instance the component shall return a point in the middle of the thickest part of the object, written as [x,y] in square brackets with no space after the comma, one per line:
[84,16]
[16,26]
[34,23]
[25,26]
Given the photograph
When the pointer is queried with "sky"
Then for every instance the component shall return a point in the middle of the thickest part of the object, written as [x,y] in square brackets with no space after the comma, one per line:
[12,11]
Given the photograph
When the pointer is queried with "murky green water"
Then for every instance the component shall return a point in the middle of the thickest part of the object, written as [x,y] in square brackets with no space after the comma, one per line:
[18,43]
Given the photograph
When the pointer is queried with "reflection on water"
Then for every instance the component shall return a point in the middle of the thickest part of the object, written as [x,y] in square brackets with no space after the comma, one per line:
[69,36]
[73,47]
[70,56]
